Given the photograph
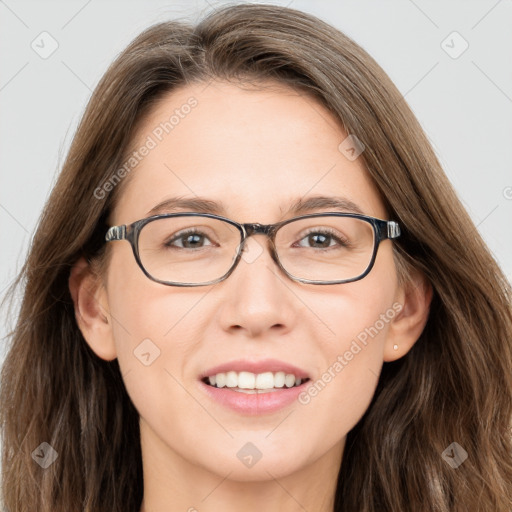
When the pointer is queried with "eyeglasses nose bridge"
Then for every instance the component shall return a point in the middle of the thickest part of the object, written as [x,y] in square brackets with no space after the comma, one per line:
[253,229]
[250,229]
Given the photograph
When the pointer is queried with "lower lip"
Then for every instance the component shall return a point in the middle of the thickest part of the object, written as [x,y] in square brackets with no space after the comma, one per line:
[254,404]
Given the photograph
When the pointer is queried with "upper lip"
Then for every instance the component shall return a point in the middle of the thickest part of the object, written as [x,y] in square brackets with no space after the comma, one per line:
[260,366]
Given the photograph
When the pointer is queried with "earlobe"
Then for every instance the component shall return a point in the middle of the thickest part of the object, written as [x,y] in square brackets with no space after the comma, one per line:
[406,327]
[91,309]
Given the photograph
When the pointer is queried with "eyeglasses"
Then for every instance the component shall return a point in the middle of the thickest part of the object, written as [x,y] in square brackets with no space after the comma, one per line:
[198,249]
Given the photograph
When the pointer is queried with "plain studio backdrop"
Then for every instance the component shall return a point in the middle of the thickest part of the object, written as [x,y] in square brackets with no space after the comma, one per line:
[451,60]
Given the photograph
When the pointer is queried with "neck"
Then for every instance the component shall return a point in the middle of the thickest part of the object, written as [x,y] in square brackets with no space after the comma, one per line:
[174,484]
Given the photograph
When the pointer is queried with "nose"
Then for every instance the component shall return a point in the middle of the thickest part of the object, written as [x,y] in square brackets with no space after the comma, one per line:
[256,296]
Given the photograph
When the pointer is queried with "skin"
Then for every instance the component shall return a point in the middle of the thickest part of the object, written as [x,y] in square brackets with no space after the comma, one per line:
[255,151]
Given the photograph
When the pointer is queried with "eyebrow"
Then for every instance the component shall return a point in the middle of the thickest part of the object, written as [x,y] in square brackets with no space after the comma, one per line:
[298,207]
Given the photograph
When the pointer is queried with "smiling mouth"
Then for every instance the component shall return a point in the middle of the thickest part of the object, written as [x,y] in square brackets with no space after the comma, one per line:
[250,383]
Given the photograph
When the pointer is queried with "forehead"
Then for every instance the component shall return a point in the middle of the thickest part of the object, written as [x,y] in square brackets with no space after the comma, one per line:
[252,151]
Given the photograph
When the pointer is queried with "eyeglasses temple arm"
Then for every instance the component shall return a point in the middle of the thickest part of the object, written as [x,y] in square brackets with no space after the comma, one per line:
[116,233]
[393,229]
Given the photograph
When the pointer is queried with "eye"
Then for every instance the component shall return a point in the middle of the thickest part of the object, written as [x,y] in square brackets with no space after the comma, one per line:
[189,239]
[323,239]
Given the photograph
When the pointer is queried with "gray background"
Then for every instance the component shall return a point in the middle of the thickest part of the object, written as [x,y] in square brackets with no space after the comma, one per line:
[463,103]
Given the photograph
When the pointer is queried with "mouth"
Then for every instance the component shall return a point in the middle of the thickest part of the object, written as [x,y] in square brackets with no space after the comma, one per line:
[254,383]
[254,387]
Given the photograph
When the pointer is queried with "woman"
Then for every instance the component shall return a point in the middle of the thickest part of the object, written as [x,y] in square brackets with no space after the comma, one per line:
[167,356]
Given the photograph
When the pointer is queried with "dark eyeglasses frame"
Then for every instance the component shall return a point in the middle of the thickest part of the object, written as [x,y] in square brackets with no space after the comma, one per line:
[383,230]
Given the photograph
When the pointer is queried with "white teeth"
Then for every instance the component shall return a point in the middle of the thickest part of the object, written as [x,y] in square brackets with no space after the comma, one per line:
[289,380]
[265,380]
[231,380]
[246,380]
[279,379]
[220,380]
[249,382]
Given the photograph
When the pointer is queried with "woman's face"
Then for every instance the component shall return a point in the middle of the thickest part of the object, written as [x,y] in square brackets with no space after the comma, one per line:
[255,153]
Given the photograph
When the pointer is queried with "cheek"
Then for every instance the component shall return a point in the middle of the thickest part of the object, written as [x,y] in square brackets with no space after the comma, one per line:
[152,325]
[359,313]
[157,331]
[358,318]
[142,308]
[340,395]
[153,337]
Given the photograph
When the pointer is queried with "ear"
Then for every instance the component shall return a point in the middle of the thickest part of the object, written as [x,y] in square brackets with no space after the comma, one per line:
[91,309]
[406,327]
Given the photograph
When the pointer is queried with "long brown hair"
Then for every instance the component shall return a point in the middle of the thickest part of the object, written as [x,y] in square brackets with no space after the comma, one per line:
[455,385]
